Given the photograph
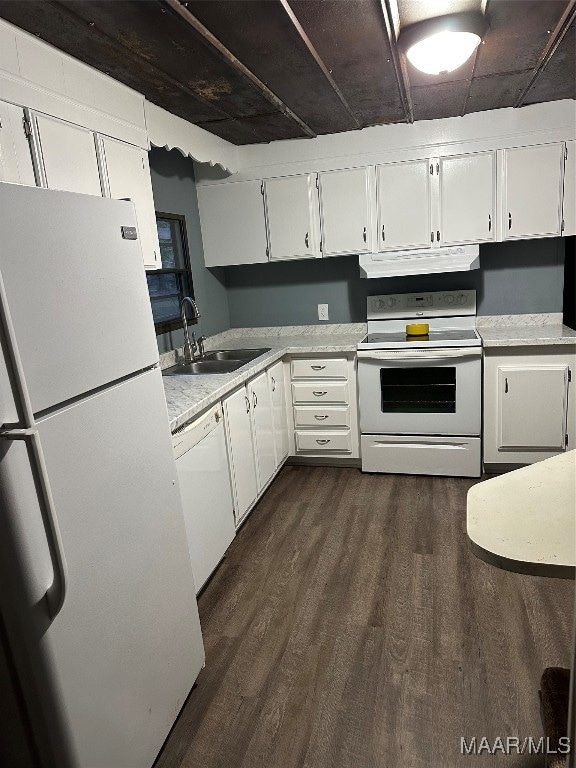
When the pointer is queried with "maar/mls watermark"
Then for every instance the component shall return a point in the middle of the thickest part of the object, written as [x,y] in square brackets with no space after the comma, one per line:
[514,745]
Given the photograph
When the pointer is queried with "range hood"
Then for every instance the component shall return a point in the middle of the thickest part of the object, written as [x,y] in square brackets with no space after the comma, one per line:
[460,258]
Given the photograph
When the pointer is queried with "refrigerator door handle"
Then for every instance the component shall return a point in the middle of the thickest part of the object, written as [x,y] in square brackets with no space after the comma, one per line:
[56,592]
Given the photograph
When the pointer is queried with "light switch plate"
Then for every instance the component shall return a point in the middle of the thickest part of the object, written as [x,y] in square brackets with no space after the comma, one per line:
[322,311]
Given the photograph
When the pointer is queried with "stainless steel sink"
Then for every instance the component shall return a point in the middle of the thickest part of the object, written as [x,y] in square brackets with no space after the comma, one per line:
[204,366]
[236,354]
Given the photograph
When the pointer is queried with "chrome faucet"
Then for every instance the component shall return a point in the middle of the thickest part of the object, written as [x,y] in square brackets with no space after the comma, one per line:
[190,347]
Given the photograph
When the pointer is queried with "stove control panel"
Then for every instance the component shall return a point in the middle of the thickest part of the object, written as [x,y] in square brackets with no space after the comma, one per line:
[427,304]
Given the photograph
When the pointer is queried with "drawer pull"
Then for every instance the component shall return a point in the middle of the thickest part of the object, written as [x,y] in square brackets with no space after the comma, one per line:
[323,442]
[317,367]
[320,418]
[319,394]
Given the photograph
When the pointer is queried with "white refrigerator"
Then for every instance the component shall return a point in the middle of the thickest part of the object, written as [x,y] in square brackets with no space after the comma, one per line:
[100,638]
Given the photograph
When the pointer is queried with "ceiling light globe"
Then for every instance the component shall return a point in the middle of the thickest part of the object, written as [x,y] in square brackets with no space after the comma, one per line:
[443,52]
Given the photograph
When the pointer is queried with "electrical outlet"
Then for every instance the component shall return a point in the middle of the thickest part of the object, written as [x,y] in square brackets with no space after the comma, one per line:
[322,311]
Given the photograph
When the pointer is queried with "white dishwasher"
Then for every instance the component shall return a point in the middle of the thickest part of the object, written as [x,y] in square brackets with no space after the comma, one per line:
[204,478]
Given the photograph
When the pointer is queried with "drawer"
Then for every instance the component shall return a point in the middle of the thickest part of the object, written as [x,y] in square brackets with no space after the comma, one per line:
[320,392]
[314,441]
[421,455]
[333,368]
[306,416]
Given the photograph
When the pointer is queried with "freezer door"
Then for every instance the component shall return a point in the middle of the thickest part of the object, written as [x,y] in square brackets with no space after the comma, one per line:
[126,647]
[75,290]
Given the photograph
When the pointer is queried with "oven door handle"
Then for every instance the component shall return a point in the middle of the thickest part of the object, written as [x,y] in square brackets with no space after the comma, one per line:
[436,354]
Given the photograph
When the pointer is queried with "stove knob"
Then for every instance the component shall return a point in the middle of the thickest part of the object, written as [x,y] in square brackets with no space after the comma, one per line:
[449,299]
[392,301]
[462,298]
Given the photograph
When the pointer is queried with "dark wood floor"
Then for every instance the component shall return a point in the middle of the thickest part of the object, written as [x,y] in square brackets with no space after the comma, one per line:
[350,627]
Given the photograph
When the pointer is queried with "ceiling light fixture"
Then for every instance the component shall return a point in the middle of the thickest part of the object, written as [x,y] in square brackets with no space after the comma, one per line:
[443,44]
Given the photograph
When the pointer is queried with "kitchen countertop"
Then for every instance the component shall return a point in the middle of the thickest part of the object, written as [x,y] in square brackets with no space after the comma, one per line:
[188,396]
[524,330]
[525,520]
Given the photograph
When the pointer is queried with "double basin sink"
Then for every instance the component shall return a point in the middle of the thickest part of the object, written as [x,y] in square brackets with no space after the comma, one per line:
[220,361]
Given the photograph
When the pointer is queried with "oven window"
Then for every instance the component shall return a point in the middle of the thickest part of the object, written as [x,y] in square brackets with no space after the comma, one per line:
[418,390]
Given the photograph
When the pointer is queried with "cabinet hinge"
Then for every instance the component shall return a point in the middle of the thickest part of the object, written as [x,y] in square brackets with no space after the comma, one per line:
[27,127]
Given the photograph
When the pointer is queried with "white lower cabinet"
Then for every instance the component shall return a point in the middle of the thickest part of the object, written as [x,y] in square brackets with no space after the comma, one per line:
[262,429]
[256,436]
[529,405]
[238,423]
[278,395]
[324,414]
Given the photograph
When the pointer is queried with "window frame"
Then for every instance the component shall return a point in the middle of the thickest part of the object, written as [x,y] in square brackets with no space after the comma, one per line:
[170,325]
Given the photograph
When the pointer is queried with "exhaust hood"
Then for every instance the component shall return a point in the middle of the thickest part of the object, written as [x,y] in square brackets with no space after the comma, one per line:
[461,258]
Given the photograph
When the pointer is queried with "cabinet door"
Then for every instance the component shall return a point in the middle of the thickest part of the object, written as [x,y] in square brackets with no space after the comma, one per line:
[292,217]
[404,205]
[68,155]
[569,201]
[278,394]
[345,205]
[467,196]
[129,177]
[15,157]
[238,425]
[227,210]
[533,191]
[532,405]
[262,429]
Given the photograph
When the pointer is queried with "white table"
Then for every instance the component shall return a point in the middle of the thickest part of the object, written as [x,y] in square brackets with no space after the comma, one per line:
[525,520]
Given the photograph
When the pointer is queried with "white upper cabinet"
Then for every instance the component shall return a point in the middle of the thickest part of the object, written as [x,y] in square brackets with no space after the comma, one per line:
[232,223]
[128,176]
[569,210]
[403,191]
[532,199]
[67,154]
[15,157]
[292,217]
[346,202]
[467,198]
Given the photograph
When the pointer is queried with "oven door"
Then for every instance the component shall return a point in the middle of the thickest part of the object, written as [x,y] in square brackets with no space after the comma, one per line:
[420,392]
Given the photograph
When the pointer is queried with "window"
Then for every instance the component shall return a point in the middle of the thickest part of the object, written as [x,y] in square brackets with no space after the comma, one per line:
[168,286]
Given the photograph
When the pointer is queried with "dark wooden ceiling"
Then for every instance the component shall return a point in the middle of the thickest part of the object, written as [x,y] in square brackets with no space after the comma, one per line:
[259,70]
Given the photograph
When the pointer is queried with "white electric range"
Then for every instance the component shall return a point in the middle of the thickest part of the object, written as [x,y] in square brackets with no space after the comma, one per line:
[420,397]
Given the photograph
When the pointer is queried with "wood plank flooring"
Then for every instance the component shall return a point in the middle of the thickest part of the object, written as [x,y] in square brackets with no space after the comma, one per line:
[350,627]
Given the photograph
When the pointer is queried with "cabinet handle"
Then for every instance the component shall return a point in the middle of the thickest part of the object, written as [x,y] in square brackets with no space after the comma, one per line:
[319,394]
[254,399]
[383,233]
[247,404]
[431,237]
[509,221]
[489,222]
[306,239]
[317,367]
[273,384]
[364,234]
[431,169]
[506,384]
[438,235]
[320,418]
[323,442]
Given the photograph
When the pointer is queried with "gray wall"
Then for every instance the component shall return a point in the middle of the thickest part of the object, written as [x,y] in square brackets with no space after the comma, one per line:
[514,278]
[175,192]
